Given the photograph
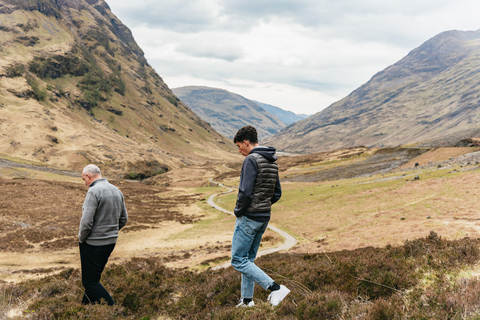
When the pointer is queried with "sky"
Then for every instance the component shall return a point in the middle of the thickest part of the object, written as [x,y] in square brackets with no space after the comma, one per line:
[299,55]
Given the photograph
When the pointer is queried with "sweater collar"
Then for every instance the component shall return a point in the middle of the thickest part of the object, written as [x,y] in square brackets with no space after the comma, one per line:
[98,181]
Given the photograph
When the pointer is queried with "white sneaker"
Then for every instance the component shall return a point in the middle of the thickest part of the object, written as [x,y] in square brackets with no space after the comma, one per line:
[243,305]
[278,295]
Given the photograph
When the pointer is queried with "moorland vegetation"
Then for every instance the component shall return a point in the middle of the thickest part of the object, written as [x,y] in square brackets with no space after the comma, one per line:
[344,267]
[428,278]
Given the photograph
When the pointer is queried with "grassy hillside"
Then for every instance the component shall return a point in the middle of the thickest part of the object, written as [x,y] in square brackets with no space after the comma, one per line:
[76,88]
[430,95]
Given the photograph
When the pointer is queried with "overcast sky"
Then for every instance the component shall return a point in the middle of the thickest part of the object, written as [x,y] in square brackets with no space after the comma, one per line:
[299,55]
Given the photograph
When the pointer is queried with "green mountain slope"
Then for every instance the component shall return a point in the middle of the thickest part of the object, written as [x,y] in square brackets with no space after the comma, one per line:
[76,88]
[431,95]
[227,112]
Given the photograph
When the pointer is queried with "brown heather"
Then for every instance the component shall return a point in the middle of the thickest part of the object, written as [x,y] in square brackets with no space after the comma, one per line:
[418,280]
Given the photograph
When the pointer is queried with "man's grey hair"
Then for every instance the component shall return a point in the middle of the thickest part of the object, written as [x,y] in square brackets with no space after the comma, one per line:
[92,169]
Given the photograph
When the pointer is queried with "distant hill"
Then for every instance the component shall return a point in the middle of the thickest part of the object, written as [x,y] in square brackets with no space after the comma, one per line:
[430,96]
[76,88]
[285,116]
[227,112]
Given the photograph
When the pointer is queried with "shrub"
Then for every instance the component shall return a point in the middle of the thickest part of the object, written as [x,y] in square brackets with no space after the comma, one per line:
[58,66]
[173,100]
[117,83]
[92,84]
[385,310]
[39,93]
[14,70]
[27,41]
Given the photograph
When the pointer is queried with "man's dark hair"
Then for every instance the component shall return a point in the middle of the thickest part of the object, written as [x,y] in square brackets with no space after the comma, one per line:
[248,133]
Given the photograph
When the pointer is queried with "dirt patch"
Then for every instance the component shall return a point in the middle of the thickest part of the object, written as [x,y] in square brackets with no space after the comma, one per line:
[381,161]
[45,215]
[438,155]
[4,163]
[289,161]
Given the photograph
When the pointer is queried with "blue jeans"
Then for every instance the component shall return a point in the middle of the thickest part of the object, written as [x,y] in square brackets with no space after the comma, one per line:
[246,240]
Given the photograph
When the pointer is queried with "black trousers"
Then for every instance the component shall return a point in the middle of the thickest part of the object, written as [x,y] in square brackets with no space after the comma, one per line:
[93,260]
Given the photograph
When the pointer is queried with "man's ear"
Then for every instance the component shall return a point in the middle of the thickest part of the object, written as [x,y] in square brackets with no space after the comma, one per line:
[246,143]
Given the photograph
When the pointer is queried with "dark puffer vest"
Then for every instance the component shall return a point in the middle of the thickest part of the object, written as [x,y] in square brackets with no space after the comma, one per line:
[259,185]
[264,184]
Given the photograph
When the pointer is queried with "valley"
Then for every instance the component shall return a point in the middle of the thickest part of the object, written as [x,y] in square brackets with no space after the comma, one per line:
[340,200]
[378,217]
[41,209]
[380,205]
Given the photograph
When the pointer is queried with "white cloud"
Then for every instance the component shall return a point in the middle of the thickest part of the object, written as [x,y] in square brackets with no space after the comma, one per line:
[181,15]
[298,100]
[281,51]
[212,45]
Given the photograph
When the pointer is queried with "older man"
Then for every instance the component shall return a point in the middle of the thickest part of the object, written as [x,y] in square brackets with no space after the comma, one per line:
[103,214]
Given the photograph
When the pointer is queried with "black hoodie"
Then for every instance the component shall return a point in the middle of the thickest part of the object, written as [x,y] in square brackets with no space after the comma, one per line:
[248,177]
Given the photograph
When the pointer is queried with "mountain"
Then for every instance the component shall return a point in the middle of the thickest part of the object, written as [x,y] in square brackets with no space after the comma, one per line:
[227,112]
[76,88]
[285,116]
[432,95]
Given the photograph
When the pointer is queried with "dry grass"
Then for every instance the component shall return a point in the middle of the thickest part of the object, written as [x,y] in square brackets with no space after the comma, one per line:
[185,232]
[174,224]
[379,210]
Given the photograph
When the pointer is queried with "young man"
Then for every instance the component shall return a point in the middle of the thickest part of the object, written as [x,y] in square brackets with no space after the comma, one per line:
[103,214]
[259,188]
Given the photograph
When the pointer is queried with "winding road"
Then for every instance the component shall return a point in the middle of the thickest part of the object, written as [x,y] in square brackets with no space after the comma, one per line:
[290,241]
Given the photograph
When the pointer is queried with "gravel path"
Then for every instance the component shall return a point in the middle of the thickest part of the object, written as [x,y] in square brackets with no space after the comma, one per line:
[290,241]
[4,163]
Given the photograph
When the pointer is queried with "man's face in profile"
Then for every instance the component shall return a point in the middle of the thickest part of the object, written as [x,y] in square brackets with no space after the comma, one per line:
[243,147]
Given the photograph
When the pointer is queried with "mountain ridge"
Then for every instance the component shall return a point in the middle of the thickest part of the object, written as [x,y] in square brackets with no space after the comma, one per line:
[287,117]
[227,112]
[426,96]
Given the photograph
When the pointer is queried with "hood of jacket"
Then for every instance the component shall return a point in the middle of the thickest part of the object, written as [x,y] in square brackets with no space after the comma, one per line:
[266,152]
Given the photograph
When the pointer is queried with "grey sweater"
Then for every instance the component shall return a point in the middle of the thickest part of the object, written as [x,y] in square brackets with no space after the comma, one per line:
[103,214]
